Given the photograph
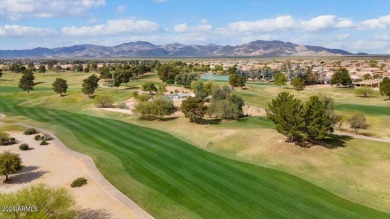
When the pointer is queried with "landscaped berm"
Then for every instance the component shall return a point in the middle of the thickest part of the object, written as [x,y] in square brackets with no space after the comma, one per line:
[190,157]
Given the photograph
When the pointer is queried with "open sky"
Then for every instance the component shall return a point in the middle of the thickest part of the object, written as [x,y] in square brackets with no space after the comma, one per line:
[353,25]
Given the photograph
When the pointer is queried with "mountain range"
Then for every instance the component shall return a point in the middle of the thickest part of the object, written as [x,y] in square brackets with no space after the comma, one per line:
[259,48]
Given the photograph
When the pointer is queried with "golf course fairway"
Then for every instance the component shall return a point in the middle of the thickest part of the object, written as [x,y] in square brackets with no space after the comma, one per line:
[193,182]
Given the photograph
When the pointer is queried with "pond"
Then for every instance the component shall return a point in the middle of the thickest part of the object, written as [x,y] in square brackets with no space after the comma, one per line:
[212,77]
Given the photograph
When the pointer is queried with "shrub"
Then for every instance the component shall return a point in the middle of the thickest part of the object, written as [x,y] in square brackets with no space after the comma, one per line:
[37,137]
[30,131]
[78,182]
[4,135]
[143,97]
[103,101]
[134,94]
[24,147]
[44,142]
[122,106]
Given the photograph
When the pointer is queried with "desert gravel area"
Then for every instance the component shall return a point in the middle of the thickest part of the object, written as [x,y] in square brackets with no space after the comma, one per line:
[54,166]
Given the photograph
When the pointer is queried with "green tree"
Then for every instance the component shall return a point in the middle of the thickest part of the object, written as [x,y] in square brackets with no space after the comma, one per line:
[149,86]
[104,101]
[90,84]
[26,82]
[42,69]
[158,108]
[298,83]
[94,65]
[105,72]
[341,77]
[280,79]
[193,108]
[9,163]
[60,86]
[50,203]
[358,121]
[186,79]
[384,87]
[117,76]
[167,72]
[309,77]
[1,72]
[287,112]
[126,75]
[364,91]
[237,81]
[317,122]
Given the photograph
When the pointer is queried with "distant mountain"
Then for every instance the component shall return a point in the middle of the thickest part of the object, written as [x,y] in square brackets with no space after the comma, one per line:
[145,49]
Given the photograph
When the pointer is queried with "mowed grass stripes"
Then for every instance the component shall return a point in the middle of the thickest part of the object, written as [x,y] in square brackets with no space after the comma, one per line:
[200,182]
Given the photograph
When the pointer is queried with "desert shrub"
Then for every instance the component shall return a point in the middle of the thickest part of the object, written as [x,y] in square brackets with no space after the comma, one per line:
[44,142]
[4,135]
[103,101]
[47,137]
[24,147]
[30,131]
[134,94]
[143,97]
[122,106]
[78,182]
[37,137]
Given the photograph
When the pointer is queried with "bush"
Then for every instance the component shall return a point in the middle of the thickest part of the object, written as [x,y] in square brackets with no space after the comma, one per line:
[78,182]
[30,131]
[364,91]
[134,94]
[143,97]
[122,106]
[24,147]
[44,142]
[37,137]
[103,101]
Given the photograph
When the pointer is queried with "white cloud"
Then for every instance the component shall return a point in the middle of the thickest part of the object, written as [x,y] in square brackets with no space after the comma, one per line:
[18,9]
[287,22]
[121,9]
[377,23]
[183,28]
[112,27]
[23,31]
[278,23]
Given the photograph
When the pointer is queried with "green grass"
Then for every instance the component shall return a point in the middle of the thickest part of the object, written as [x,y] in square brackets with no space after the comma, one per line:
[366,109]
[171,178]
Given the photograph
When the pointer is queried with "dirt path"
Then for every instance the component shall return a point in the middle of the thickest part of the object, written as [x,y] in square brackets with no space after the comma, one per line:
[362,137]
[97,176]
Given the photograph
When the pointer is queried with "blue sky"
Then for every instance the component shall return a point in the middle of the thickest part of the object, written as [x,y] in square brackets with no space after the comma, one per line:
[353,25]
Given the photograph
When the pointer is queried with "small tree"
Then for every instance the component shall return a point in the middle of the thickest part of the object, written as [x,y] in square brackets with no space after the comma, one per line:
[193,108]
[341,77]
[46,202]
[280,79]
[103,101]
[384,87]
[317,121]
[42,69]
[90,84]
[9,163]
[149,86]
[26,82]
[358,121]
[60,86]
[298,83]
[364,91]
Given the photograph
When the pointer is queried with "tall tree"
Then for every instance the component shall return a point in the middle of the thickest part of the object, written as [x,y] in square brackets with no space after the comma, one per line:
[26,82]
[60,86]
[317,121]
[384,87]
[90,84]
[298,83]
[287,113]
[9,163]
[193,108]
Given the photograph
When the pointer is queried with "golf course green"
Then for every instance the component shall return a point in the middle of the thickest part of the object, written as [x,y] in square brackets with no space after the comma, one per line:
[191,181]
